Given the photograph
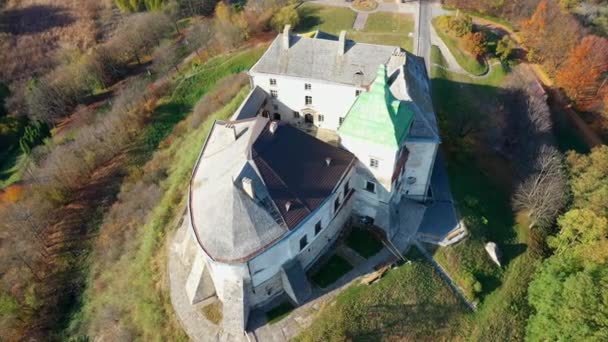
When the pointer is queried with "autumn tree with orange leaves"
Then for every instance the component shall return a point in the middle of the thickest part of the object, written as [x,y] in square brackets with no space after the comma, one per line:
[549,34]
[583,76]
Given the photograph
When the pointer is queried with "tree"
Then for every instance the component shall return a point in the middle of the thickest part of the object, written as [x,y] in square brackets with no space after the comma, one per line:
[231,28]
[550,34]
[285,16]
[543,194]
[582,233]
[461,25]
[140,33]
[197,7]
[200,36]
[584,72]
[504,48]
[475,43]
[589,180]
[129,5]
[164,58]
[570,300]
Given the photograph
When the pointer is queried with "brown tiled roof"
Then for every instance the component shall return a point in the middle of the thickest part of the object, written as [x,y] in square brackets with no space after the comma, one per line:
[294,168]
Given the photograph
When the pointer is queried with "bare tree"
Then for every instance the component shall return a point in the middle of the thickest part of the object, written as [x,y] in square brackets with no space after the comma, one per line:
[164,58]
[543,194]
[200,36]
[139,33]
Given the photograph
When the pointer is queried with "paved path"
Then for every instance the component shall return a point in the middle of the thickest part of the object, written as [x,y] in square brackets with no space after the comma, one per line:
[360,21]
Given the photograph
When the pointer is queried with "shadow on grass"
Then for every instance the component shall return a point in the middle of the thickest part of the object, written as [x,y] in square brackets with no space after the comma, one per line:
[309,19]
[488,144]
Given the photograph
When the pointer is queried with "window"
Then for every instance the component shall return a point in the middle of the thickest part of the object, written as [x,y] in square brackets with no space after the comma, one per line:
[320,118]
[374,163]
[337,203]
[370,186]
[357,92]
[274,93]
[303,242]
[273,81]
[341,119]
[308,100]
[346,188]
[307,86]
[276,116]
[275,106]
[296,115]
[318,227]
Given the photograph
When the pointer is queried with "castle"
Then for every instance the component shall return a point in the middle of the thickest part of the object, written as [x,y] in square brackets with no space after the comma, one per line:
[331,129]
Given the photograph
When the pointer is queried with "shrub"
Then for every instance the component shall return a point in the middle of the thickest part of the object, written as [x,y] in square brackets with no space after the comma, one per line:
[285,16]
[475,43]
[460,25]
[504,48]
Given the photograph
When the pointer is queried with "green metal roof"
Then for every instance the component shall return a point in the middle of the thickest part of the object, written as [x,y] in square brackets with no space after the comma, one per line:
[377,116]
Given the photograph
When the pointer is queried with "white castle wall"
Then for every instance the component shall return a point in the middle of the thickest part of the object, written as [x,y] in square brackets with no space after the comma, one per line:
[332,100]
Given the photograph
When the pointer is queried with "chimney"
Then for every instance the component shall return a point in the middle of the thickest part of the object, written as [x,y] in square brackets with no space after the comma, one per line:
[286,33]
[287,205]
[273,126]
[342,43]
[328,161]
[248,187]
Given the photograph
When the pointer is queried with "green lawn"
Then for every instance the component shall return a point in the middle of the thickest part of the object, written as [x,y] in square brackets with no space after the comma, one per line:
[328,19]
[331,271]
[466,61]
[390,22]
[363,242]
[278,313]
[411,302]
[381,27]
[190,87]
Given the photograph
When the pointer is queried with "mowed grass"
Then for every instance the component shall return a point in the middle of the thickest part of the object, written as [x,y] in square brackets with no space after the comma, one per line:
[464,59]
[390,22]
[410,302]
[381,27]
[364,243]
[328,19]
[332,270]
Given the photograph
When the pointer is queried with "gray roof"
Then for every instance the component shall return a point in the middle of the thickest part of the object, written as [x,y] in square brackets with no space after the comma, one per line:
[319,59]
[289,175]
[227,222]
[419,91]
[440,218]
